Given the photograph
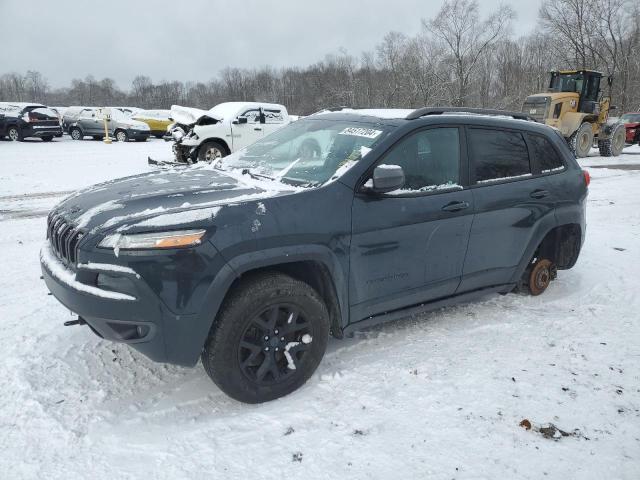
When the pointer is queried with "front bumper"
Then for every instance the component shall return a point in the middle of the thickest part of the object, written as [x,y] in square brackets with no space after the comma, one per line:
[138,134]
[136,318]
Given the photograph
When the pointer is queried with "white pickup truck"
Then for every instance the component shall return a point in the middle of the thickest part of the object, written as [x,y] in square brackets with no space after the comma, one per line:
[225,128]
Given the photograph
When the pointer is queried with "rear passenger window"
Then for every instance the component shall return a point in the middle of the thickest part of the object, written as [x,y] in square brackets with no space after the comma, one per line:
[547,156]
[498,155]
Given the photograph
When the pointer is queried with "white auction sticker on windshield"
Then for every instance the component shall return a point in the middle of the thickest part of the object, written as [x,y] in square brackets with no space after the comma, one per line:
[361,132]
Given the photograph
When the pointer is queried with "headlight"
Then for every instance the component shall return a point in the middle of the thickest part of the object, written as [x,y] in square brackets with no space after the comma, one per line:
[177,134]
[156,240]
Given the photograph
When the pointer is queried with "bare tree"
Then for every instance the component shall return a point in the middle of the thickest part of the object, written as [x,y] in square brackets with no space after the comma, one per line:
[466,38]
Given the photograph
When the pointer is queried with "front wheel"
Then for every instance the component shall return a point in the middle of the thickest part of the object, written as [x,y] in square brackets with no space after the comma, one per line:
[121,136]
[210,151]
[14,134]
[76,134]
[268,338]
[581,141]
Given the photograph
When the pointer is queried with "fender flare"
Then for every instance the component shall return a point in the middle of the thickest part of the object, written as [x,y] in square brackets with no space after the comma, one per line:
[189,348]
[536,239]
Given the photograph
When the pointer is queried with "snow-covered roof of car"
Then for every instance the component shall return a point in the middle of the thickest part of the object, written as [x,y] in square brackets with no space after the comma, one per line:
[390,113]
[230,109]
[9,106]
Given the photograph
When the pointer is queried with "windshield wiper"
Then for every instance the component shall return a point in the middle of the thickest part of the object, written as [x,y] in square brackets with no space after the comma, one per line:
[255,176]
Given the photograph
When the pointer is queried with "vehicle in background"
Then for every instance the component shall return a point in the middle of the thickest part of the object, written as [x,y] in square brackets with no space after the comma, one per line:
[575,105]
[632,126]
[23,120]
[71,114]
[226,128]
[158,120]
[90,122]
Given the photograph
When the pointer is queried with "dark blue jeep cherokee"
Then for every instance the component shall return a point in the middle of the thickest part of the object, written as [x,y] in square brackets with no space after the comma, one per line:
[336,222]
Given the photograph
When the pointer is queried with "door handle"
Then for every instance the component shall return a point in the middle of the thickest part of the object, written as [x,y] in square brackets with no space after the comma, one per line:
[258,129]
[455,206]
[539,194]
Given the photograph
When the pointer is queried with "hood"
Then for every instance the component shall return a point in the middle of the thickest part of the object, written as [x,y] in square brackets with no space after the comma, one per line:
[181,195]
[189,115]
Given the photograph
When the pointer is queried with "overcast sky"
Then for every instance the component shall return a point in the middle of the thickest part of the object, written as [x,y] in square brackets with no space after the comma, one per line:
[194,39]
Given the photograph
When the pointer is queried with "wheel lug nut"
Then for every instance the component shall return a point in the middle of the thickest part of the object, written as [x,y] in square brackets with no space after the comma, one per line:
[276,349]
[275,331]
[266,337]
[266,349]
[282,339]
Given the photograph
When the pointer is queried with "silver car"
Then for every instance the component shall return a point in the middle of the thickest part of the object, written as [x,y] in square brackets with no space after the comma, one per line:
[90,122]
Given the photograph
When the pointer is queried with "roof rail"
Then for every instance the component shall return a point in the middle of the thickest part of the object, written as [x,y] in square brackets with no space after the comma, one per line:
[422,112]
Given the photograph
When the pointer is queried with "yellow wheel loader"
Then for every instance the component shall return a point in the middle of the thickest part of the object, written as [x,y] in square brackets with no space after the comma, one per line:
[574,105]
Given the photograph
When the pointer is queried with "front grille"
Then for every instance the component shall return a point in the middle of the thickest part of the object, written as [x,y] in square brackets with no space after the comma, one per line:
[64,238]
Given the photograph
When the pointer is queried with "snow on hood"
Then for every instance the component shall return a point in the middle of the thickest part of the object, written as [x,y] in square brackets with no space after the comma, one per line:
[190,115]
[175,195]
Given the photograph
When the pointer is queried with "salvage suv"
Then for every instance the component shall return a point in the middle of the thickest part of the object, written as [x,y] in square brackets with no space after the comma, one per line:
[336,222]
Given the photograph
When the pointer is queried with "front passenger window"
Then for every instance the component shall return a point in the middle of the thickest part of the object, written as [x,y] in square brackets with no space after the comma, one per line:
[253,116]
[430,160]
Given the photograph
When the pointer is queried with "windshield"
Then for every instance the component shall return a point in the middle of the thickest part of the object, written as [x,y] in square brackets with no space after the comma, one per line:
[308,152]
[568,82]
[630,117]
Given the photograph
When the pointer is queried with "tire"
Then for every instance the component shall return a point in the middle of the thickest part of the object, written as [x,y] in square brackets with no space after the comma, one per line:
[245,352]
[121,136]
[612,146]
[581,141]
[211,150]
[76,133]
[14,134]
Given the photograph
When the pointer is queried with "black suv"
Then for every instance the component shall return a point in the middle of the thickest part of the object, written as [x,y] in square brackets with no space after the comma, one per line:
[338,221]
[21,120]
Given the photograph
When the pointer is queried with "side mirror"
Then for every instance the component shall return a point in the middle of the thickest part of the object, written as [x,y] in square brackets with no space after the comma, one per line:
[386,178]
[240,121]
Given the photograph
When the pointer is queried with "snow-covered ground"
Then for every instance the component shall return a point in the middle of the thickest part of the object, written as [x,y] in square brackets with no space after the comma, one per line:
[437,396]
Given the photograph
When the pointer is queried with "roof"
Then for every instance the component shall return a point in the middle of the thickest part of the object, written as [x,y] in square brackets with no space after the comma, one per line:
[583,70]
[385,113]
[17,105]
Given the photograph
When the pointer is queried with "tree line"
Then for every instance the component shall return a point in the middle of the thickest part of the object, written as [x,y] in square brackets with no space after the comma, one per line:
[458,58]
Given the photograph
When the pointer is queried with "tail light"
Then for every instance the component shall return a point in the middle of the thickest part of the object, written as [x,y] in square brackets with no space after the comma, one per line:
[587,177]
